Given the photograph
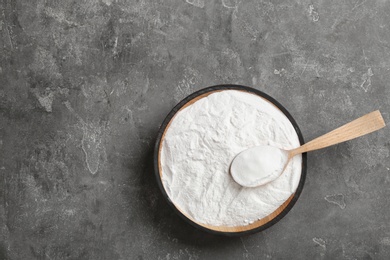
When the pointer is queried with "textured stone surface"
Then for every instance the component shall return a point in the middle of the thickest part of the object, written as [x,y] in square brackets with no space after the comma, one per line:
[84,86]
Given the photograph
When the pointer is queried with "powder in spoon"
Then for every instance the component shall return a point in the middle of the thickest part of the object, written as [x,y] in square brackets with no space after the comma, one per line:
[199,146]
[258,165]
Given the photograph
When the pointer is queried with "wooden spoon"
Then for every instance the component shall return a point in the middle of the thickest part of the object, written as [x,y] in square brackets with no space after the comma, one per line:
[262,164]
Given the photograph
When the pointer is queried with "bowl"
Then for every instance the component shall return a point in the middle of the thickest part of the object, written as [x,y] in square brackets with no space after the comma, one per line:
[258,225]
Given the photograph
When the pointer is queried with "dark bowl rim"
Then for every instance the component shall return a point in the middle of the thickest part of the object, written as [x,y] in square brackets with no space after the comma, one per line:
[229,87]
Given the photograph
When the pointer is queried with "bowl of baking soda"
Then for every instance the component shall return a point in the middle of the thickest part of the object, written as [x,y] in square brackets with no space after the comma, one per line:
[195,147]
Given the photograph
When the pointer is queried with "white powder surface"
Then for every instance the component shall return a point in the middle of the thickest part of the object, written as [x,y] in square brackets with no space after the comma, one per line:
[200,144]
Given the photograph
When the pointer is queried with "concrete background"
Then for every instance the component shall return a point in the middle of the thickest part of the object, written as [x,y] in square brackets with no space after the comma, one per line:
[85,85]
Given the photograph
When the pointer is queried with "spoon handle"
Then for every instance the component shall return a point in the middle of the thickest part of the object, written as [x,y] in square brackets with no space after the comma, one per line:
[363,125]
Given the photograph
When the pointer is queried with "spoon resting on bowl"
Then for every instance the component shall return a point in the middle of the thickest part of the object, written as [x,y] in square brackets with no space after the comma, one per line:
[263,164]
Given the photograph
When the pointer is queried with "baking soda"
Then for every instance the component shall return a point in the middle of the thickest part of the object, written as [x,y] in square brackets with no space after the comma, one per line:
[200,144]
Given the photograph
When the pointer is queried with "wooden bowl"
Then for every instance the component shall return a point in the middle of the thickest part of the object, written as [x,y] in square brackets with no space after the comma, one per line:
[258,225]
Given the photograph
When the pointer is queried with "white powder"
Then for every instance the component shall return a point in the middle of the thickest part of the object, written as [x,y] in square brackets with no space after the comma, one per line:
[200,144]
[258,165]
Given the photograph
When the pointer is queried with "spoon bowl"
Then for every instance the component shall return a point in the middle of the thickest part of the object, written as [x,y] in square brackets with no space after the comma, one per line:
[260,165]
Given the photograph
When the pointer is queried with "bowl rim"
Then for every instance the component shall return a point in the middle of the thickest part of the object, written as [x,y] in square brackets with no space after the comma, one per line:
[183,102]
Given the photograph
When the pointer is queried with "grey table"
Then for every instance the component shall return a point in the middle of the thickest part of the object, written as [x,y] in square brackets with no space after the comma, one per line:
[85,85]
